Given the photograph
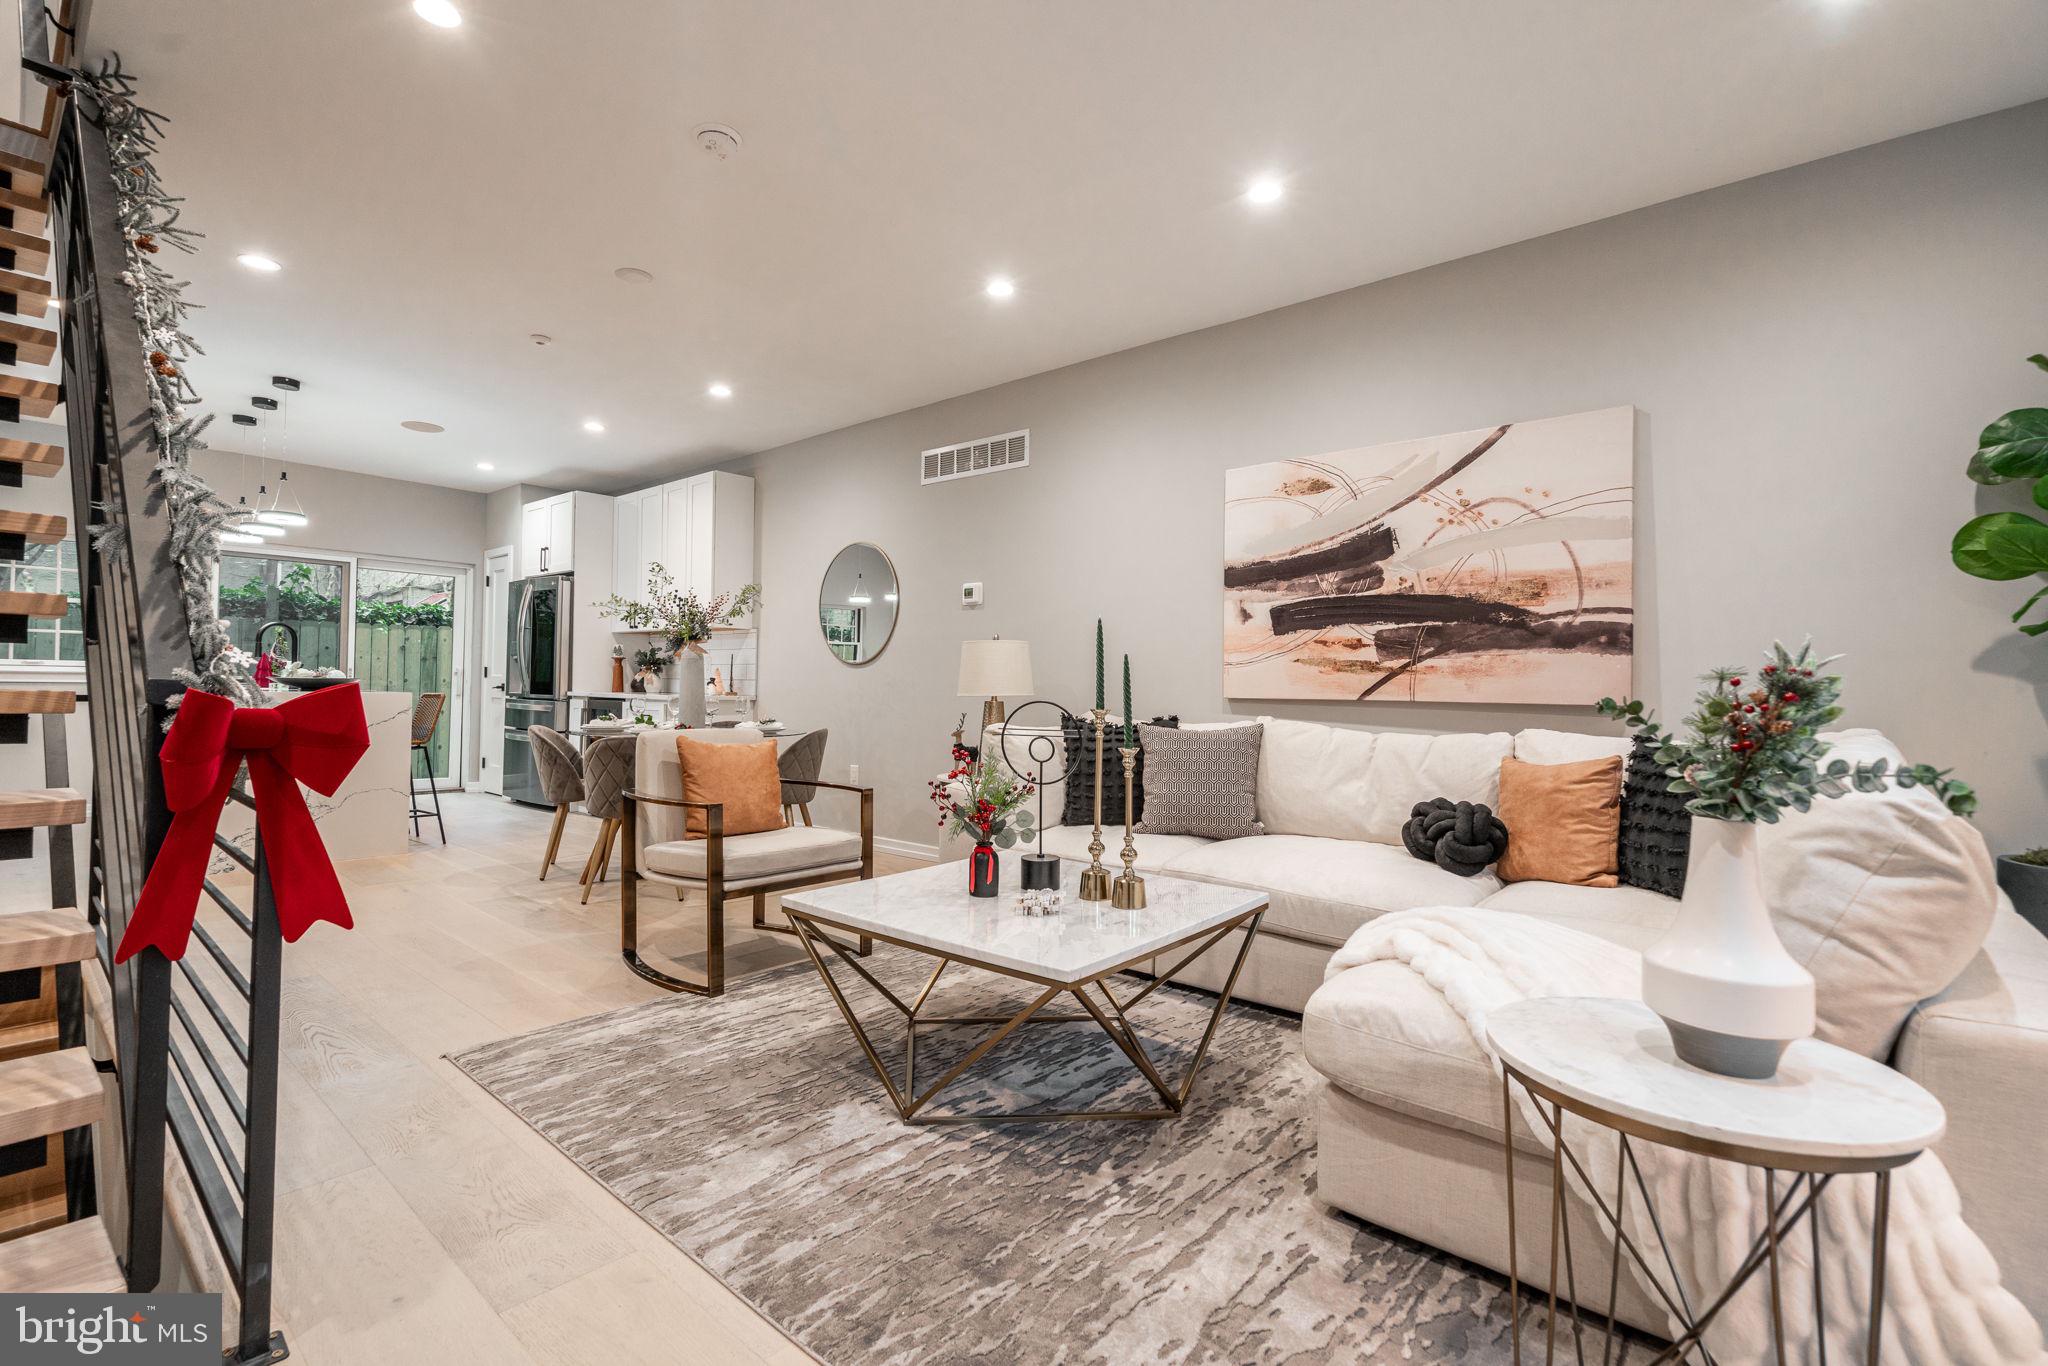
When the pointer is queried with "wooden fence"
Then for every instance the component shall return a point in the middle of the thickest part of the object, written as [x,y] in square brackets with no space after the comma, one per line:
[414,659]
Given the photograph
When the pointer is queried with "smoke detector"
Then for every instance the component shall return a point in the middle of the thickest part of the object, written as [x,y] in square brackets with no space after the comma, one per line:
[717,140]
[539,338]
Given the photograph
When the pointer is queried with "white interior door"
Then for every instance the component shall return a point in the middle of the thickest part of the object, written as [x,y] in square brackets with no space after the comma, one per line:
[491,737]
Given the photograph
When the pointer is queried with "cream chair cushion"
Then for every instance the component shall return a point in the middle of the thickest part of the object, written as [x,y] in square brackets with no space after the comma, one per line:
[1324,889]
[786,852]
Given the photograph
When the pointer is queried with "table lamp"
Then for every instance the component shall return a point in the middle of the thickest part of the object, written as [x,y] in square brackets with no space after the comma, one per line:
[993,669]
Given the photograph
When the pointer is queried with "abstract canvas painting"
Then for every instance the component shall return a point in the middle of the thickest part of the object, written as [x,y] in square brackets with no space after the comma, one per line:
[1489,566]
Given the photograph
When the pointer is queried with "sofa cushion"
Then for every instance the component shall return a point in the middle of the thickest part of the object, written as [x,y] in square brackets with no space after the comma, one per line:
[1154,851]
[1883,897]
[1077,739]
[770,853]
[1323,889]
[1535,746]
[744,779]
[1563,820]
[1201,782]
[1632,917]
[1314,780]
[1383,1034]
[1656,827]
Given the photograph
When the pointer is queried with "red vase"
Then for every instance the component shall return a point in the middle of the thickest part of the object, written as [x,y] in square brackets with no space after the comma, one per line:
[984,871]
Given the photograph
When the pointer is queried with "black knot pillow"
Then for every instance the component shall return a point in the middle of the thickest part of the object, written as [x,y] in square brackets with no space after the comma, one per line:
[1459,837]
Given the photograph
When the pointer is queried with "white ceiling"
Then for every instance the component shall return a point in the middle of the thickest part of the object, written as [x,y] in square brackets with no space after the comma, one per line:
[437,195]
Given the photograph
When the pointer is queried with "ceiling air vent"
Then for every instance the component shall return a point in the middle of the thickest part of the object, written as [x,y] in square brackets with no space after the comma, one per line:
[985,456]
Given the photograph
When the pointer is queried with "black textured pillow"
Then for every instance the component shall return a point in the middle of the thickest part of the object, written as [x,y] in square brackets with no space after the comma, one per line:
[1459,837]
[1656,829]
[1079,807]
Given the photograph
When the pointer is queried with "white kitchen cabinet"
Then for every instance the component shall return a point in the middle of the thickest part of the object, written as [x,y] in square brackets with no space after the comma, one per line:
[533,537]
[561,548]
[708,533]
[548,533]
[637,523]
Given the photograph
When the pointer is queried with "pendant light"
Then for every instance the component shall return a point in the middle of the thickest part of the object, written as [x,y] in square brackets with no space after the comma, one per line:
[244,531]
[859,596]
[284,509]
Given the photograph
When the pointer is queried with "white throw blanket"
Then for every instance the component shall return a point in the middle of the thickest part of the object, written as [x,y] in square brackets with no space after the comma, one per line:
[1944,1302]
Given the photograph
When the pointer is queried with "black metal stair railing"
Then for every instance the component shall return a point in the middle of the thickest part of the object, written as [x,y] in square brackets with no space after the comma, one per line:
[196,1043]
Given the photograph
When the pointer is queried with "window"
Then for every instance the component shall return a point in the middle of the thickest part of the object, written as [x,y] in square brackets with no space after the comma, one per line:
[306,595]
[48,569]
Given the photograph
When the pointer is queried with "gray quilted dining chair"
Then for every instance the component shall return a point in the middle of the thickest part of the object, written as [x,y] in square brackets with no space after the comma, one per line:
[607,777]
[801,764]
[561,782]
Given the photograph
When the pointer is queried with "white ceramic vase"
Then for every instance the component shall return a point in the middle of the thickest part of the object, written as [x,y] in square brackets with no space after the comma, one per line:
[688,670]
[1731,996]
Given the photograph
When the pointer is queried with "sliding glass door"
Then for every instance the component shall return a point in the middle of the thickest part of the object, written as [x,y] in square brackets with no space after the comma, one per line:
[394,626]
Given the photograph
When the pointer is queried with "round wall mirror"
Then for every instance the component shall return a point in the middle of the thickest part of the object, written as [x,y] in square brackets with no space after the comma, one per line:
[857,603]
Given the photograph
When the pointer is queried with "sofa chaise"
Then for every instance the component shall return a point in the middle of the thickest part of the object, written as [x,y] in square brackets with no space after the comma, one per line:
[1919,961]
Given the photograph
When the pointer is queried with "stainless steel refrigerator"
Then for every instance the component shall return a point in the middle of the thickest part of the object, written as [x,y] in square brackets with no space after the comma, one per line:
[537,641]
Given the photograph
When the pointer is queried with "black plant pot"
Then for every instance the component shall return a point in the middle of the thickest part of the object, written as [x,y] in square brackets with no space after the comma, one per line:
[2027,885]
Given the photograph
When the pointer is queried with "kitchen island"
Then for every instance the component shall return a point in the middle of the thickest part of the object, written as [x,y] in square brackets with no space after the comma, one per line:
[367,817]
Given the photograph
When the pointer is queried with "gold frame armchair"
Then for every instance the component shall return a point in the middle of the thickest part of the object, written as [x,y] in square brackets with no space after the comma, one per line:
[759,881]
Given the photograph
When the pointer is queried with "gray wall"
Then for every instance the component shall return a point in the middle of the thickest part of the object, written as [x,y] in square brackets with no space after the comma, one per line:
[1812,352]
[501,515]
[365,514]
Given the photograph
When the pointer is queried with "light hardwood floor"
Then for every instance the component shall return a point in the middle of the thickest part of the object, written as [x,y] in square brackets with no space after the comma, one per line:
[418,1219]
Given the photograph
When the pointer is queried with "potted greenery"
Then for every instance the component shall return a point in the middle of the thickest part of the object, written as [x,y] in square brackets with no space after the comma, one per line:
[979,797]
[1731,996]
[2013,545]
[685,622]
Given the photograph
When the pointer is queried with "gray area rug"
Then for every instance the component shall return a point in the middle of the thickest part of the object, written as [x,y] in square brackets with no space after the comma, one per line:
[750,1131]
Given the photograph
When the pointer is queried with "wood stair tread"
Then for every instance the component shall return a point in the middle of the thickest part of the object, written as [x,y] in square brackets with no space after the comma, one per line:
[75,1258]
[39,397]
[34,604]
[37,701]
[31,211]
[30,250]
[32,345]
[34,457]
[38,528]
[41,939]
[31,293]
[39,806]
[48,1093]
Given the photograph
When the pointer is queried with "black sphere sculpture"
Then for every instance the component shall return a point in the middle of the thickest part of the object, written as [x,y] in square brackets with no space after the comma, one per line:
[1459,837]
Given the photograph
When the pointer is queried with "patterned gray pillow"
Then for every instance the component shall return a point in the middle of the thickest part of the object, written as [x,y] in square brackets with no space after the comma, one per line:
[1201,782]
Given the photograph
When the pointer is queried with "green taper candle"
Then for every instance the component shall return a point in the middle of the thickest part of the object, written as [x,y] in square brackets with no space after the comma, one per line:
[1130,731]
[1098,664]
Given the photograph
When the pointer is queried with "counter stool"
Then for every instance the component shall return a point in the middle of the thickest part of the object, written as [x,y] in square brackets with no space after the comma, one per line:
[426,718]
[561,782]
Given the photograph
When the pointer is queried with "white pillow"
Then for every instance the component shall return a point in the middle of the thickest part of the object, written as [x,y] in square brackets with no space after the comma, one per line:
[1407,769]
[1567,747]
[1884,897]
[1314,780]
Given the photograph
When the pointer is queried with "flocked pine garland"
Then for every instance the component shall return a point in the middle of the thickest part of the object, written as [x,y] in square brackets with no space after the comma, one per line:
[148,219]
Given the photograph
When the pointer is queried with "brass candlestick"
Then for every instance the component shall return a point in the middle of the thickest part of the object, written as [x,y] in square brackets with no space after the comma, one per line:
[1095,877]
[1128,892]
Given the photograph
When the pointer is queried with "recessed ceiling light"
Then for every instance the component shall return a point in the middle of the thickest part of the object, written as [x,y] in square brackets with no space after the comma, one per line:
[439,13]
[1000,287]
[633,275]
[593,425]
[485,465]
[1265,190]
[417,426]
[720,389]
[254,261]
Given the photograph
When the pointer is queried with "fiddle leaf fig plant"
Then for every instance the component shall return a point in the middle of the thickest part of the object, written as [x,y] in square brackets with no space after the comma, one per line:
[2010,545]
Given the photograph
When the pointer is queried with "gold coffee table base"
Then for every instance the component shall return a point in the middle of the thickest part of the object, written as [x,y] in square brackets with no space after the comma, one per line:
[911,1104]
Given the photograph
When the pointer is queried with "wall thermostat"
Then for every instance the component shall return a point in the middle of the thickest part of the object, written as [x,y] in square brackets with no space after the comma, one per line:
[970,595]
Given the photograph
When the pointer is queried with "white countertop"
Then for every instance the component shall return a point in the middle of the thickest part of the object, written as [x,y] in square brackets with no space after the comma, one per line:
[1616,1056]
[930,907]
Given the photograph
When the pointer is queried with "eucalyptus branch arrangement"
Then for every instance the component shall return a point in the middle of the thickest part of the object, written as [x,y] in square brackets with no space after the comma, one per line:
[147,216]
[979,797]
[2010,545]
[679,616]
[1751,749]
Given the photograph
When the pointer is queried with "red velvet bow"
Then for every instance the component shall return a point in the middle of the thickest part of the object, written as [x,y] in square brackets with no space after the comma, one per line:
[316,740]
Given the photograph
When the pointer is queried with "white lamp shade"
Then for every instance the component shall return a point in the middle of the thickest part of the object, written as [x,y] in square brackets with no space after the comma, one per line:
[995,668]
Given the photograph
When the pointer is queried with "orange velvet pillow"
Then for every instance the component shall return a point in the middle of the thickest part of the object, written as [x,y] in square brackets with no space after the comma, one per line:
[1563,820]
[744,777]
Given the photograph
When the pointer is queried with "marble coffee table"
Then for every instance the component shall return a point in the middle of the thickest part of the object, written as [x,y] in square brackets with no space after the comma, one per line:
[1073,954]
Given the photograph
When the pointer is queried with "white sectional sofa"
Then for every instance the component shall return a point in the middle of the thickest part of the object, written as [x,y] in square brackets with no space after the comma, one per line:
[1919,959]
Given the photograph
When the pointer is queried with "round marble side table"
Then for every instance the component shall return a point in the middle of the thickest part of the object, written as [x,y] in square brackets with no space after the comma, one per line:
[1827,1113]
